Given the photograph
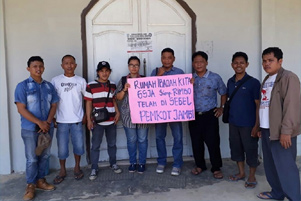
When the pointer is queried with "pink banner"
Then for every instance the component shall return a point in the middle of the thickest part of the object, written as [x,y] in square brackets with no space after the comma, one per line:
[161,99]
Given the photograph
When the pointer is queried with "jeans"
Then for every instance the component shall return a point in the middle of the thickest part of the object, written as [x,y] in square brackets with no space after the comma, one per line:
[97,135]
[35,165]
[134,136]
[177,149]
[77,139]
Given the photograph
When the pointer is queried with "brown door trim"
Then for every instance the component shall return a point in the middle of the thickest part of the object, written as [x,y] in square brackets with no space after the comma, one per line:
[83,31]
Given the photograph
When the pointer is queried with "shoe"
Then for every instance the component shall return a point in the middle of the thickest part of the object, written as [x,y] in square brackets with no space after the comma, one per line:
[160,169]
[29,192]
[133,167]
[93,174]
[141,168]
[175,171]
[43,185]
[116,169]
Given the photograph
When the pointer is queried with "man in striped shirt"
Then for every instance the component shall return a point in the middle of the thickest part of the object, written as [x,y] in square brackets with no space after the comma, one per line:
[96,97]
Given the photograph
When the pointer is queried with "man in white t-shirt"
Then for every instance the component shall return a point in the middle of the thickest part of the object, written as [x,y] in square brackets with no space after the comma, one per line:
[279,117]
[69,116]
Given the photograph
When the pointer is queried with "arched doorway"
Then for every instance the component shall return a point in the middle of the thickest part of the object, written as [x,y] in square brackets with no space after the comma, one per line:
[105,24]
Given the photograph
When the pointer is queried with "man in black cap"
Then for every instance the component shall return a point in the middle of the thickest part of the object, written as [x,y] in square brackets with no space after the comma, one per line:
[101,94]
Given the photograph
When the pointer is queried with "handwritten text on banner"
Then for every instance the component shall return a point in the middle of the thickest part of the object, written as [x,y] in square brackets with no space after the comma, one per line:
[161,99]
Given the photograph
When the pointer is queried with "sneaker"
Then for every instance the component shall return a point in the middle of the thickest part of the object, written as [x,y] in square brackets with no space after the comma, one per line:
[141,168]
[116,169]
[133,167]
[93,174]
[175,171]
[160,169]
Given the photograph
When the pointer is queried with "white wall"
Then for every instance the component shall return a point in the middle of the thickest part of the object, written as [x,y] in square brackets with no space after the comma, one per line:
[4,123]
[52,28]
[281,26]
[223,28]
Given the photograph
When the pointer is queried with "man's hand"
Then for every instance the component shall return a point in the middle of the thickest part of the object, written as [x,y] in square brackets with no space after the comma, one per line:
[89,124]
[285,141]
[126,87]
[218,112]
[54,122]
[259,134]
[117,116]
[161,71]
[44,126]
[255,131]
[192,80]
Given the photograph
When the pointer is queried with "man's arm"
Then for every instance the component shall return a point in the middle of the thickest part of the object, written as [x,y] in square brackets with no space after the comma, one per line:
[88,113]
[44,125]
[120,95]
[255,129]
[219,111]
[291,109]
[117,113]
[51,112]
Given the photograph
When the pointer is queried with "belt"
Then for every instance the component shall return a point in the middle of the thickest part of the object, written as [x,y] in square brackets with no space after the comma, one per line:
[202,113]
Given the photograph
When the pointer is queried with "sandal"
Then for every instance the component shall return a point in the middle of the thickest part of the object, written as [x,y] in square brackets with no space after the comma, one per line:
[58,179]
[218,175]
[235,178]
[78,175]
[196,171]
[250,185]
[266,196]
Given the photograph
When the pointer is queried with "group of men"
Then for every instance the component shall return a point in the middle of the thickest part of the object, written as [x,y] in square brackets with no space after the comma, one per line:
[270,111]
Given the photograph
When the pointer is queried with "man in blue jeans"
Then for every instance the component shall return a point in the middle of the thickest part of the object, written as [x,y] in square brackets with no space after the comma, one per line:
[69,116]
[167,59]
[36,101]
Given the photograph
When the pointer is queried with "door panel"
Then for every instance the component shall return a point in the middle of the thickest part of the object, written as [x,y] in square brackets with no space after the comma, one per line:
[109,21]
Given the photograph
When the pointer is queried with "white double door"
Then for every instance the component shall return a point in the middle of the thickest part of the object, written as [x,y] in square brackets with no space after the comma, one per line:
[107,24]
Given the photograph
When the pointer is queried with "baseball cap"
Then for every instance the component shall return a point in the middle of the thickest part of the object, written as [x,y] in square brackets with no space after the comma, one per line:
[103,64]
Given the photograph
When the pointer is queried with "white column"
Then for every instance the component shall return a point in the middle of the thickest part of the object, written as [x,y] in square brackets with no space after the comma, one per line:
[5,153]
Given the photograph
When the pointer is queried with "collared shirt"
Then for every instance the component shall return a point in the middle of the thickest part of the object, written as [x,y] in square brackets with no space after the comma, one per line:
[172,71]
[205,90]
[38,98]
[242,107]
[125,108]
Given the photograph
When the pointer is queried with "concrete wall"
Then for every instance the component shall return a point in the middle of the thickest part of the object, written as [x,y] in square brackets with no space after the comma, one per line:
[52,28]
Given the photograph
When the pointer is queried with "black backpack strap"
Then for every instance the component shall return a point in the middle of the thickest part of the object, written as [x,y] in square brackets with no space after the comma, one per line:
[108,92]
[236,89]
[157,69]
[123,81]
[109,84]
